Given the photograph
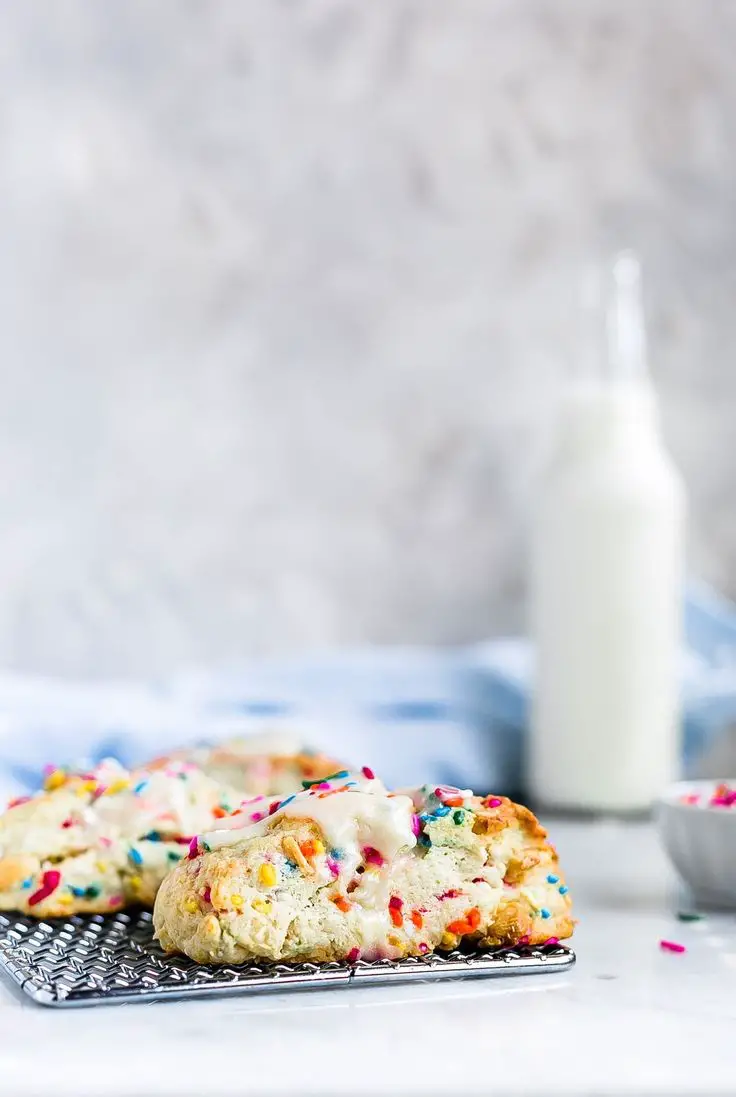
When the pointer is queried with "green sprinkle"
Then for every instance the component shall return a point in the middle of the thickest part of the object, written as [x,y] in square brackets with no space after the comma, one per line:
[172,856]
[93,891]
[458,817]
[688,916]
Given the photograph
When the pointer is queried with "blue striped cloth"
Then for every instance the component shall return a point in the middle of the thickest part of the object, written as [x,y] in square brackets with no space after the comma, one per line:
[454,716]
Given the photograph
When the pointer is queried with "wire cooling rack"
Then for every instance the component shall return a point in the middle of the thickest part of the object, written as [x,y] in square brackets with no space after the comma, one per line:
[92,960]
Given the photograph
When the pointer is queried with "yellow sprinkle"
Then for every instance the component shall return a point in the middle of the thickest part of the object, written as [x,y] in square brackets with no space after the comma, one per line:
[261,905]
[394,941]
[237,901]
[136,883]
[191,905]
[55,780]
[65,899]
[449,940]
[317,846]
[101,866]
[267,875]
[117,786]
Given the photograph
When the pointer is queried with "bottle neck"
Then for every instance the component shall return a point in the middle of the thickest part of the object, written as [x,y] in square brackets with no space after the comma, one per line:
[621,414]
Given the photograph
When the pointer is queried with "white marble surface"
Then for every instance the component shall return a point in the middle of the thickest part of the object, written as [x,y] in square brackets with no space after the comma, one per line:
[285,296]
[627,1019]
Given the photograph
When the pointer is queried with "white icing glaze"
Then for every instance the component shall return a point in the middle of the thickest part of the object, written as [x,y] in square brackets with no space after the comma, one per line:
[362,815]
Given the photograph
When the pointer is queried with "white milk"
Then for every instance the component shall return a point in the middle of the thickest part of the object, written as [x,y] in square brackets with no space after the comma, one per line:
[606,586]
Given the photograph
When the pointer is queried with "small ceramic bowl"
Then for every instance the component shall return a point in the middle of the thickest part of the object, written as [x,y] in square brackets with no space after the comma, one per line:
[701,840]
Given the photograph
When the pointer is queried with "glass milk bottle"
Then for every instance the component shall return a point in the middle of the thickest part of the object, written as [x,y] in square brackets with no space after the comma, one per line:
[607,581]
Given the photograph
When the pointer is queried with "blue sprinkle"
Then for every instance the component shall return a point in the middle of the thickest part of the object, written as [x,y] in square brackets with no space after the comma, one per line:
[564,889]
[135,856]
[139,787]
[350,784]
[424,839]
[551,879]
[337,776]
[425,817]
[286,801]
[152,836]
[336,854]
[442,810]
[78,892]
[27,883]
[545,913]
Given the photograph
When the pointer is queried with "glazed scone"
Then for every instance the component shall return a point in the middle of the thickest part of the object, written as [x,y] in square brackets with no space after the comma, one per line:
[102,840]
[347,870]
[267,765]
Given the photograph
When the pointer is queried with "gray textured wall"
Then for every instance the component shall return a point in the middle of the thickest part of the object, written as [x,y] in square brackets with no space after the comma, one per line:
[285,298]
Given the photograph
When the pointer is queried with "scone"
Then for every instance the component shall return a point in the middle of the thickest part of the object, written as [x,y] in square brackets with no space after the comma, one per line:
[347,870]
[265,765]
[103,840]
[99,841]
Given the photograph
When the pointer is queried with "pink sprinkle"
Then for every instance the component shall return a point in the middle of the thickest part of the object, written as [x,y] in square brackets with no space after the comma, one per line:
[416,826]
[423,948]
[453,893]
[333,866]
[353,955]
[368,773]
[671,946]
[183,841]
[395,903]
[48,769]
[523,940]
[193,848]
[494,802]
[321,785]
[49,883]
[18,801]
[274,807]
[442,792]
[256,816]
[372,856]
[207,895]
[115,901]
[551,941]
[106,842]
[67,823]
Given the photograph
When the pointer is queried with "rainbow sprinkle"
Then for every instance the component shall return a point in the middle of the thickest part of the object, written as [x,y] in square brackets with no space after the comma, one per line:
[671,946]
[723,796]
[49,883]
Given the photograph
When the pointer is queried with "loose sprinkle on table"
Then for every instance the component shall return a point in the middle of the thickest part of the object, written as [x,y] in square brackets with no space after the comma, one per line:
[671,946]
